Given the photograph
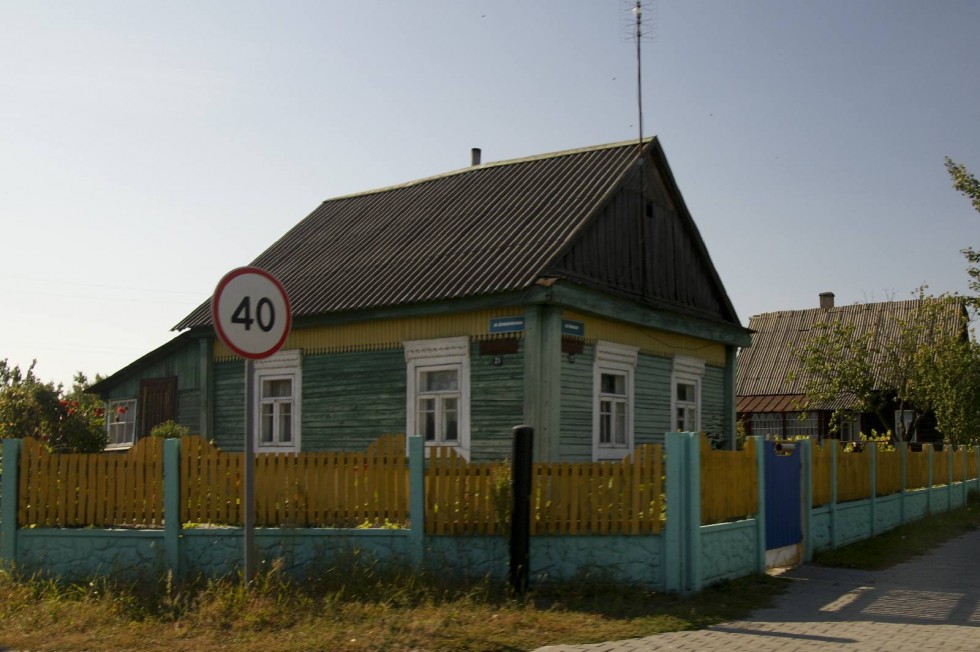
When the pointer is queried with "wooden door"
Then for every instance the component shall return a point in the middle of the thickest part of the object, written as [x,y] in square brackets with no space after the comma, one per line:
[158,403]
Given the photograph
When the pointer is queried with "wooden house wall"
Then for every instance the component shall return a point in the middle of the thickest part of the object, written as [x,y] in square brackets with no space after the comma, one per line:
[652,418]
[351,398]
[183,363]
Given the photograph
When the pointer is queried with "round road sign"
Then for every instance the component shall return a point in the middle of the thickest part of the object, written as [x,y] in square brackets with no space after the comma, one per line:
[251,312]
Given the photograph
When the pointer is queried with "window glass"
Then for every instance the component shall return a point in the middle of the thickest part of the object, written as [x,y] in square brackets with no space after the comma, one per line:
[445,380]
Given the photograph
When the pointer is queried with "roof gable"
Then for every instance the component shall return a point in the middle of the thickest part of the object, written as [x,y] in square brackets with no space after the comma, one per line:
[482,230]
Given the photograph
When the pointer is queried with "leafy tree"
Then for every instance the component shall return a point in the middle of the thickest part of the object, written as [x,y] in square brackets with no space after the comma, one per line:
[65,421]
[968,184]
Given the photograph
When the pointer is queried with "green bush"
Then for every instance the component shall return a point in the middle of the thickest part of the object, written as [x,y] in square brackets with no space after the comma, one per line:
[170,430]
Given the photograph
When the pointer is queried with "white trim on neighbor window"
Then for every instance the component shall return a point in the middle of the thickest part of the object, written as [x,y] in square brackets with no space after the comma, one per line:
[437,392]
[278,392]
[906,416]
[120,424]
[685,394]
[613,398]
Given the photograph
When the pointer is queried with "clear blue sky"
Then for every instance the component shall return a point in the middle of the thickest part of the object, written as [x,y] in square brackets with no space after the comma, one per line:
[148,148]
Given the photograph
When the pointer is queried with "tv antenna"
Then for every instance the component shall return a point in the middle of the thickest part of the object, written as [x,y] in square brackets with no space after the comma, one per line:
[641,27]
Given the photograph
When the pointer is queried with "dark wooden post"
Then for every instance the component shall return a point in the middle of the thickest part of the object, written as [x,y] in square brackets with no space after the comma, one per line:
[520,516]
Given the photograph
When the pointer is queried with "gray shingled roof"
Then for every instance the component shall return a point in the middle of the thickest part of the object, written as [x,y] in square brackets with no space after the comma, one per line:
[481,230]
[763,368]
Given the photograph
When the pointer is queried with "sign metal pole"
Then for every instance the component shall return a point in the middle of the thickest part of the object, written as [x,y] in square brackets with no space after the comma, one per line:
[248,500]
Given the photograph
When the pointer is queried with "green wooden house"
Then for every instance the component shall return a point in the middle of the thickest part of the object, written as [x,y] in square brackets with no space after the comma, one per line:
[569,291]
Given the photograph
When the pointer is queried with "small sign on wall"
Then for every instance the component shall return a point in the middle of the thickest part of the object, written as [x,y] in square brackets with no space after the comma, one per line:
[572,327]
[507,324]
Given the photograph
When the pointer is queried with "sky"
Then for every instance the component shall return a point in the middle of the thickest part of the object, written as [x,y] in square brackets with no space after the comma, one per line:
[148,148]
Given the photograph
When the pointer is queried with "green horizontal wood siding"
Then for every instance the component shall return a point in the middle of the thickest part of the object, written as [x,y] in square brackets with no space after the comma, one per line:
[652,412]
[496,403]
[350,399]
[714,419]
[229,405]
[576,405]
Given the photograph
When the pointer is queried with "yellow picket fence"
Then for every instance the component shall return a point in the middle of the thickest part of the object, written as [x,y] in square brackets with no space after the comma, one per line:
[101,490]
[821,460]
[888,473]
[297,490]
[729,483]
[917,469]
[566,498]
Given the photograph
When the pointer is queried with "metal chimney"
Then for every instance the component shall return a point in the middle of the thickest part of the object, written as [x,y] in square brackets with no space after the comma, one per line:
[475,156]
[826,300]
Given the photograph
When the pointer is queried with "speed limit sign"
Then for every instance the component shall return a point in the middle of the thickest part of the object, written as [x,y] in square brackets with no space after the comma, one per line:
[251,312]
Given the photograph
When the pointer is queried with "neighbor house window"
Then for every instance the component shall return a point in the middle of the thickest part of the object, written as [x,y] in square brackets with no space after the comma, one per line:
[809,426]
[437,396]
[768,425]
[903,424]
[686,393]
[850,428]
[612,401]
[278,395]
[121,423]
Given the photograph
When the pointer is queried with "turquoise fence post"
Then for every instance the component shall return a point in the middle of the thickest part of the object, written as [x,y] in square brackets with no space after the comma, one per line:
[171,504]
[416,498]
[674,557]
[929,485]
[8,500]
[903,460]
[806,451]
[874,487]
[949,480]
[694,511]
[834,452]
[760,517]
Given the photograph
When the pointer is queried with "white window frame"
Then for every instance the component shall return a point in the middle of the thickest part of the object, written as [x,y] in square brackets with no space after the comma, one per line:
[689,371]
[439,355]
[618,359]
[127,424]
[280,366]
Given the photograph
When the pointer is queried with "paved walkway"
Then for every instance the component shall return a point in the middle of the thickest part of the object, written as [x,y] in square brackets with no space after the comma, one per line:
[929,603]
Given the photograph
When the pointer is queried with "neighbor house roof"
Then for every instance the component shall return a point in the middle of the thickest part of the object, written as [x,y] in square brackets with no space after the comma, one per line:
[764,382]
[482,230]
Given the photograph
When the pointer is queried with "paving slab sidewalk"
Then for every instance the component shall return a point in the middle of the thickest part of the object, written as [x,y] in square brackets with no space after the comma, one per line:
[929,603]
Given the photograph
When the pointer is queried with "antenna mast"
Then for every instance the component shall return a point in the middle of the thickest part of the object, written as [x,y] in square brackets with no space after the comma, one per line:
[638,14]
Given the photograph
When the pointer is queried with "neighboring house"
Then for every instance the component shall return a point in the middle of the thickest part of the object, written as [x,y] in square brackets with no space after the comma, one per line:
[570,291]
[771,382]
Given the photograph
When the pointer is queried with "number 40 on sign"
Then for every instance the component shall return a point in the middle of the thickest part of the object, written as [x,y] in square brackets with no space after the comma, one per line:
[251,312]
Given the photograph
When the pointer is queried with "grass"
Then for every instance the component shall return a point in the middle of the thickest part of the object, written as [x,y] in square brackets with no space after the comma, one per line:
[905,542]
[369,608]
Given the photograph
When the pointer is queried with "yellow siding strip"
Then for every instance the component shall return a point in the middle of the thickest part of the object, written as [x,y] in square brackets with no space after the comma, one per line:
[648,340]
[386,333]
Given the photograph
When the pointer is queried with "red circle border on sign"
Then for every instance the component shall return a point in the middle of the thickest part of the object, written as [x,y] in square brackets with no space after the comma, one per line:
[216,297]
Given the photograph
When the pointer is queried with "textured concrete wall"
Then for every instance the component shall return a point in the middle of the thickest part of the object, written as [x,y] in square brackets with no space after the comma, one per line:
[728,550]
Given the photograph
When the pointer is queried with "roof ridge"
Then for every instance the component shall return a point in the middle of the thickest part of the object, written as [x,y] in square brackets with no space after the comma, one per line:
[839,307]
[492,164]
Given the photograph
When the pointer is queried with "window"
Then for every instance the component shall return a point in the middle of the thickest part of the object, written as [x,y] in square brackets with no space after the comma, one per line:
[121,424]
[903,425]
[686,394]
[767,424]
[850,428]
[437,396]
[277,403]
[612,406]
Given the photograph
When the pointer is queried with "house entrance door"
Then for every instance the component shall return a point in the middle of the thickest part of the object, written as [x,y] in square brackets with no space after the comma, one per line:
[784,528]
[158,403]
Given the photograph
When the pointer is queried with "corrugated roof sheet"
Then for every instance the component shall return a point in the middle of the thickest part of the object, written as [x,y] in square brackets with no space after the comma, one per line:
[481,230]
[763,368]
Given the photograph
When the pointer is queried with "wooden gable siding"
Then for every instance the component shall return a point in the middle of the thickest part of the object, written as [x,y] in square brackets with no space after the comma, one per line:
[640,246]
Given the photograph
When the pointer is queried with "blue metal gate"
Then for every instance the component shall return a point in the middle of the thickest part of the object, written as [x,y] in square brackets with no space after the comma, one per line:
[783,501]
